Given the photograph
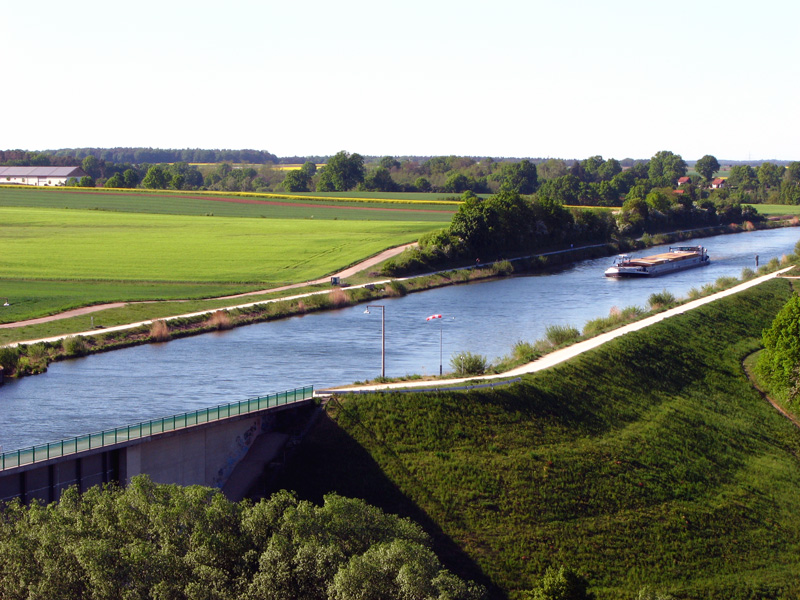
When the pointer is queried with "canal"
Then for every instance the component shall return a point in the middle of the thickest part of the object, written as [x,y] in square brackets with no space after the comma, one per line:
[343,346]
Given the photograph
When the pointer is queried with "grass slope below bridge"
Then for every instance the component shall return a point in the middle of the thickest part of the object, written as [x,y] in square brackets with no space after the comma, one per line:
[648,461]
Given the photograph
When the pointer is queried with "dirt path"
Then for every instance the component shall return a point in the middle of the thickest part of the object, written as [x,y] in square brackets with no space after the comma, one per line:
[795,421]
[348,272]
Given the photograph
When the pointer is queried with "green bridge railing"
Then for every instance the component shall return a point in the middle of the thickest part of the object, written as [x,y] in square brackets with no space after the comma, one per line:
[26,456]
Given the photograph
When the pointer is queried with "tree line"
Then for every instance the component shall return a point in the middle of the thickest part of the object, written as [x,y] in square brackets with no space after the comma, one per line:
[70,156]
[509,223]
[593,181]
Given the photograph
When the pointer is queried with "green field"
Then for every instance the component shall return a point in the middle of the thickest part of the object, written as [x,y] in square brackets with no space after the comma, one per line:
[225,205]
[771,210]
[62,250]
[650,461]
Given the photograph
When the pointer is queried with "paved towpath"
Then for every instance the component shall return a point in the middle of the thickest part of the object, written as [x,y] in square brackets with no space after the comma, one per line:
[567,353]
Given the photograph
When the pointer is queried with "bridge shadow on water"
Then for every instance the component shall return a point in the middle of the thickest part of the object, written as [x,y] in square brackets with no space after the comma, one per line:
[330,460]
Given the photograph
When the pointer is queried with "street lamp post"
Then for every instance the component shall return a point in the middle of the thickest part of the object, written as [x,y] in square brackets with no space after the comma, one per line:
[383,335]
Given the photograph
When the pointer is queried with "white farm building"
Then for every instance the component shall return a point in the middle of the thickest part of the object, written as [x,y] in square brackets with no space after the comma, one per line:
[39,175]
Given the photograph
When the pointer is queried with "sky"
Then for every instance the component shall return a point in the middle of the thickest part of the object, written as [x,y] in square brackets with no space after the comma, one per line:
[507,78]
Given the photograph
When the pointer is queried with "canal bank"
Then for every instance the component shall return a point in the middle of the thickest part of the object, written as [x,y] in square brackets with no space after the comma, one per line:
[34,355]
[340,346]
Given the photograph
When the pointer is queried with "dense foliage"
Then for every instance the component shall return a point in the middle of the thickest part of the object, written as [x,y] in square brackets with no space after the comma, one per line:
[509,223]
[593,181]
[767,183]
[649,465]
[165,541]
[68,156]
[778,365]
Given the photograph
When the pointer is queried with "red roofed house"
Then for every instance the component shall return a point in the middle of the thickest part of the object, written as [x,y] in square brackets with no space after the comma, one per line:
[683,180]
[39,175]
[718,183]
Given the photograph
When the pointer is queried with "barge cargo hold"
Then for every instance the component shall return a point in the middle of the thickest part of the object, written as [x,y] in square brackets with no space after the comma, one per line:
[677,259]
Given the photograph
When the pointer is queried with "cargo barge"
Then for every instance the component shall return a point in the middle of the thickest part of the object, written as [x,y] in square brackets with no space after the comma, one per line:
[677,259]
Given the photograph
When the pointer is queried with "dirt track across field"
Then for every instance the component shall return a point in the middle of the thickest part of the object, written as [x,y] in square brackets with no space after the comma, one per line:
[348,272]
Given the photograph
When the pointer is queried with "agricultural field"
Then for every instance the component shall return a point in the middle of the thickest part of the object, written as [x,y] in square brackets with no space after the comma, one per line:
[648,462]
[234,204]
[776,210]
[63,249]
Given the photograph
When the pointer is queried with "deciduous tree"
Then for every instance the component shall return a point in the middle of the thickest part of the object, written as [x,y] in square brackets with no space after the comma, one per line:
[706,167]
[742,177]
[770,175]
[156,178]
[342,172]
[296,181]
[666,168]
[519,177]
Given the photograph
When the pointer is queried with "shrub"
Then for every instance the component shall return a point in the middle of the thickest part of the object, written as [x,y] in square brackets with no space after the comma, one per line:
[615,318]
[524,352]
[503,267]
[561,334]
[396,288]
[74,346]
[707,288]
[594,326]
[660,299]
[37,352]
[338,297]
[723,283]
[561,584]
[773,264]
[466,363]
[9,357]
[219,320]
[159,331]
[647,593]
[747,274]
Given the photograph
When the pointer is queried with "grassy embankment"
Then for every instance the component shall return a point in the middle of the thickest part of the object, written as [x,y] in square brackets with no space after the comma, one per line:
[650,461]
[64,249]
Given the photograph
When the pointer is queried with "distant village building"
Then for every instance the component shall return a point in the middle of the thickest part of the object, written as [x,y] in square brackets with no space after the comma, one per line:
[683,181]
[39,175]
[718,183]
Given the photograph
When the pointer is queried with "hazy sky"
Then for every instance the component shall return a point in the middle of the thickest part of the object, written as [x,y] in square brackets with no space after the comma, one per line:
[522,78]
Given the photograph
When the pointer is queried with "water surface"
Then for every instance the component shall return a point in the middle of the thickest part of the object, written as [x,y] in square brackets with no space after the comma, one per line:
[338,347]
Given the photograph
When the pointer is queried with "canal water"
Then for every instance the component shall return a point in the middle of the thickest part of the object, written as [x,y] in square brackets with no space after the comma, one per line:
[123,387]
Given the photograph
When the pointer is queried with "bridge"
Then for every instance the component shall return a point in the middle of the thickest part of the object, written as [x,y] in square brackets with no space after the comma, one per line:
[205,447]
